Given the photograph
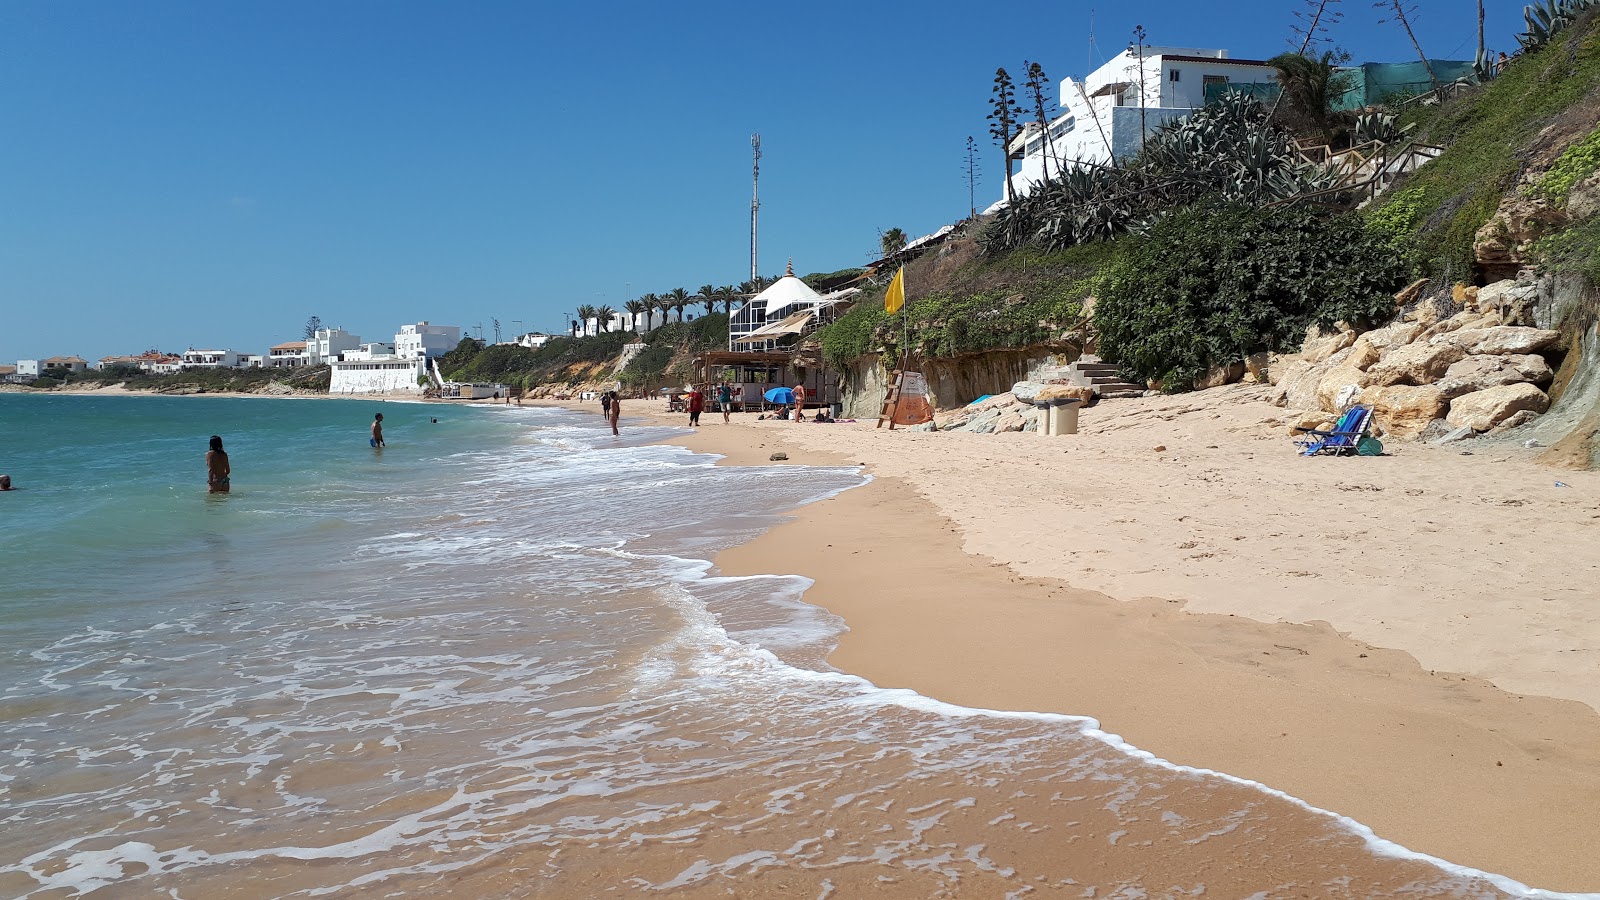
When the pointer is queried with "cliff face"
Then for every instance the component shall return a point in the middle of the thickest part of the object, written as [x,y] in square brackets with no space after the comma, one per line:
[1571,304]
[952,382]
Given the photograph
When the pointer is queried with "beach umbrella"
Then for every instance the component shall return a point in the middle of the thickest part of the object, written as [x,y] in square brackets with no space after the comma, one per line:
[779,395]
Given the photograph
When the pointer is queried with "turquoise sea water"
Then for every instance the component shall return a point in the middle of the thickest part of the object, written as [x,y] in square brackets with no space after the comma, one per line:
[493,659]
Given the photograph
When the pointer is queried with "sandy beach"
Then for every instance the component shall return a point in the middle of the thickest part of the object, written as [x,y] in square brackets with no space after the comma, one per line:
[1408,640]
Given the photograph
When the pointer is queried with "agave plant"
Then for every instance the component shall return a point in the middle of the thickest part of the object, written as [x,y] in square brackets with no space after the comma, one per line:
[1546,19]
[1380,127]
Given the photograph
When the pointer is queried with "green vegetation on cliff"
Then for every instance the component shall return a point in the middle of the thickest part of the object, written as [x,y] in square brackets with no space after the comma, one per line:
[1490,137]
[571,361]
[309,378]
[670,350]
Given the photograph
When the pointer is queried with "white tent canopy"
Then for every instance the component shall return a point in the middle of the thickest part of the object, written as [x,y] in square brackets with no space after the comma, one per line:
[788,292]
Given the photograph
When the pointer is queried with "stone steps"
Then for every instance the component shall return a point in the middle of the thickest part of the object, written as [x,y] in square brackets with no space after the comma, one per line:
[1105,380]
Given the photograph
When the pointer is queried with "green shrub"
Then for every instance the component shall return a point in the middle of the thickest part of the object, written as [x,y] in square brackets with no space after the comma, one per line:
[1212,284]
[1575,164]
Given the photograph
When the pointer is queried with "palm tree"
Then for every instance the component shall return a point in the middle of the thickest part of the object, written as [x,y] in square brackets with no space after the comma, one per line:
[634,307]
[652,302]
[708,297]
[585,313]
[604,314]
[679,300]
[728,293]
[892,241]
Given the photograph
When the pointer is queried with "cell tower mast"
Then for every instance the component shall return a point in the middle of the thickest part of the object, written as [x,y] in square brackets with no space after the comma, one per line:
[755,198]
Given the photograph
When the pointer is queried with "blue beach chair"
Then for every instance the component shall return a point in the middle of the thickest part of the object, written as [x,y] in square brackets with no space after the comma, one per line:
[1349,435]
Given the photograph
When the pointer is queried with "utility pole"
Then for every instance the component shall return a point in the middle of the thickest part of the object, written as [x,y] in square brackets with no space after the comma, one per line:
[1139,35]
[972,176]
[755,199]
[496,324]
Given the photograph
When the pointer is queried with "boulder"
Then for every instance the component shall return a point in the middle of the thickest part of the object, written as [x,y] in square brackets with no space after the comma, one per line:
[1413,364]
[1386,339]
[1315,418]
[1410,292]
[1338,387]
[1483,410]
[1492,296]
[1318,347]
[1258,364]
[1517,420]
[1505,242]
[1278,364]
[1427,312]
[1219,376]
[1501,339]
[1008,421]
[1066,391]
[1405,410]
[1297,385]
[1026,391]
[1362,355]
[1583,199]
[1476,373]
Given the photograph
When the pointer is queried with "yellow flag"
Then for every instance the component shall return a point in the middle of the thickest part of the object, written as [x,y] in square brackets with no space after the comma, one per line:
[896,297]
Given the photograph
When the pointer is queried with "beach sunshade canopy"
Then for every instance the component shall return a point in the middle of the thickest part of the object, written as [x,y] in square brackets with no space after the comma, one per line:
[793,324]
[779,395]
[788,292]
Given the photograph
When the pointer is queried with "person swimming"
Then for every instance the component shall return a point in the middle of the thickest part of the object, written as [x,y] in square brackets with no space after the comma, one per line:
[377,431]
[5,483]
[218,471]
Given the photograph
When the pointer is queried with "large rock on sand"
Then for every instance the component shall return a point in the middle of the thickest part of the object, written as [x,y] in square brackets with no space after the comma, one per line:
[1483,410]
[1477,373]
[1405,410]
[1318,347]
[1385,339]
[1083,395]
[1338,387]
[1414,364]
[1501,339]
[1026,391]
[1297,384]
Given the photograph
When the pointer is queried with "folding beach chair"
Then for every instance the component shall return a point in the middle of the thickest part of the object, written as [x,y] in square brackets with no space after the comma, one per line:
[1349,435]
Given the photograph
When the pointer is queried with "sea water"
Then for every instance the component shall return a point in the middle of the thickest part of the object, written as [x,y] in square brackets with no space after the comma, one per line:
[494,659]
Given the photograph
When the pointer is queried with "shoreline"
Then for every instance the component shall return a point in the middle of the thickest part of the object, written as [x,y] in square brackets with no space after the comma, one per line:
[1441,763]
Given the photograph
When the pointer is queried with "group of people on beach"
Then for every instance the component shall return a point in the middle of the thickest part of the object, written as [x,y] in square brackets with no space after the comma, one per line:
[219,470]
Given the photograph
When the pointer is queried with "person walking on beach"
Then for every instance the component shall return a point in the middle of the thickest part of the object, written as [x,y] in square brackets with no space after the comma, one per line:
[377,430]
[605,404]
[725,400]
[697,405]
[218,471]
[613,407]
[799,401]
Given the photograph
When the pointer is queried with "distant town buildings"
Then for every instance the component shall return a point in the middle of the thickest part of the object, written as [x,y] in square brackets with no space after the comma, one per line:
[211,359]
[424,340]
[329,344]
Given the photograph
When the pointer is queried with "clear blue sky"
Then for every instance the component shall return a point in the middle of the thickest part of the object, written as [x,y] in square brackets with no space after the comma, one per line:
[178,174]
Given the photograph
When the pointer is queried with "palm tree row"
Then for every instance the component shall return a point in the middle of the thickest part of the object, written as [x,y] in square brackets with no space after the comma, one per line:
[675,300]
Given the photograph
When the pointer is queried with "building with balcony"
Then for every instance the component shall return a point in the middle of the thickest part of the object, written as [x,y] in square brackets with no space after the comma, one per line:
[422,340]
[59,365]
[211,359]
[288,355]
[369,350]
[1107,115]
[329,344]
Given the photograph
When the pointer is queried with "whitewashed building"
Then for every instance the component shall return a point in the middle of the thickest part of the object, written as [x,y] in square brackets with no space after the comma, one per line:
[379,375]
[370,350]
[62,364]
[212,359]
[533,340]
[424,340]
[288,355]
[1106,115]
[27,368]
[329,344]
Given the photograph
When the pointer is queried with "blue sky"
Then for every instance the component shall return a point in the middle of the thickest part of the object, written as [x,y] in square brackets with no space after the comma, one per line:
[178,174]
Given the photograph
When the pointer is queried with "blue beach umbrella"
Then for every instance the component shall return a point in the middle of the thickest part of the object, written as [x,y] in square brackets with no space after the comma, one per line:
[779,395]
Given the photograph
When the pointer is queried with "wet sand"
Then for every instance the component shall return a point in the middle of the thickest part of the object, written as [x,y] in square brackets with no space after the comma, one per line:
[1443,762]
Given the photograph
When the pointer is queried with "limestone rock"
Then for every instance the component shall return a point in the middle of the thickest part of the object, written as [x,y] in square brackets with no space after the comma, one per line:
[1583,200]
[1410,292]
[1491,296]
[1386,339]
[1476,373]
[1026,391]
[1315,418]
[1319,348]
[1338,387]
[1501,339]
[1414,364]
[1483,410]
[1278,364]
[1427,312]
[1517,420]
[1258,364]
[1008,421]
[1297,385]
[1405,410]
[1502,245]
[1067,392]
[1219,376]
[1362,355]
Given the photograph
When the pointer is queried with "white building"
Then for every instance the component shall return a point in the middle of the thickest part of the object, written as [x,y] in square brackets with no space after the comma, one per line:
[62,364]
[27,368]
[385,375]
[329,344]
[424,340]
[370,350]
[787,306]
[1105,116]
[211,359]
[288,355]
[533,340]
[251,360]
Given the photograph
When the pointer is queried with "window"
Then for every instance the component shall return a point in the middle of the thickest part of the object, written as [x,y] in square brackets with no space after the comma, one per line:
[1209,80]
[1174,75]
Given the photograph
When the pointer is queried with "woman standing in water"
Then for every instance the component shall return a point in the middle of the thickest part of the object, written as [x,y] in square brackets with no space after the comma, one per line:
[613,410]
[217,468]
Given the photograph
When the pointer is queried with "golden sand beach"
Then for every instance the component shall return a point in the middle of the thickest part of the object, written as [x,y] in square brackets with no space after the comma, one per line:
[1410,641]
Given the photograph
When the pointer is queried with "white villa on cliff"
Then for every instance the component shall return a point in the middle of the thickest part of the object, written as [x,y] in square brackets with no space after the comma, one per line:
[1104,116]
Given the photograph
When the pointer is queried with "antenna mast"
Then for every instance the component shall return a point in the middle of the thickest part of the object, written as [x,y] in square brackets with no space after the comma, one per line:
[755,198]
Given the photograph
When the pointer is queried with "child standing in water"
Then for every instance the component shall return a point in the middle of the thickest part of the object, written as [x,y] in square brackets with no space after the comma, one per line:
[217,468]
